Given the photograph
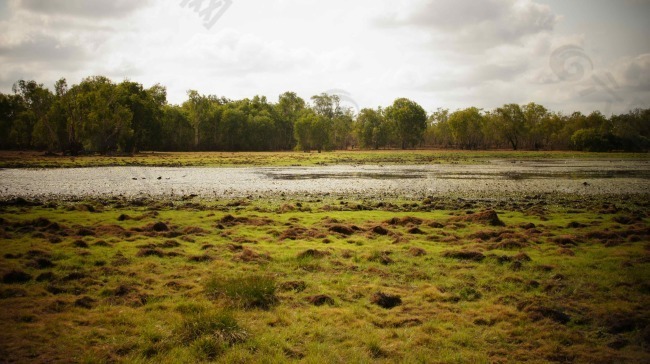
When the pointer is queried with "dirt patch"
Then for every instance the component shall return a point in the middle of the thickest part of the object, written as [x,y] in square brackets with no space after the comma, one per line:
[296,286]
[12,293]
[527,226]
[296,233]
[85,232]
[230,220]
[566,251]
[509,245]
[343,229]
[381,257]
[521,257]
[16,277]
[407,220]
[415,231]
[80,244]
[112,230]
[313,253]
[485,235]
[417,252]
[488,217]
[576,225]
[201,258]
[149,252]
[320,300]
[41,263]
[386,301]
[537,313]
[194,230]
[566,240]
[248,255]
[124,217]
[85,302]
[120,260]
[168,244]
[464,255]
[621,322]
[159,227]
[379,230]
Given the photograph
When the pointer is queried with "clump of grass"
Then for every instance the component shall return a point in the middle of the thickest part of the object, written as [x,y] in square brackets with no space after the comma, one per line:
[251,291]
[207,348]
[375,349]
[219,327]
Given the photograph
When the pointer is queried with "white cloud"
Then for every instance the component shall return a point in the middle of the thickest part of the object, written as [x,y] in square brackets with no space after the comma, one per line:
[440,53]
[634,73]
[83,8]
[470,25]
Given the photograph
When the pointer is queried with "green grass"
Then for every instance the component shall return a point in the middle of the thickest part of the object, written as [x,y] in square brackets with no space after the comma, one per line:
[229,159]
[251,291]
[572,288]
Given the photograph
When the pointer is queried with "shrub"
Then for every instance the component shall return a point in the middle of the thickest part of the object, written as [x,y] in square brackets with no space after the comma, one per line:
[252,291]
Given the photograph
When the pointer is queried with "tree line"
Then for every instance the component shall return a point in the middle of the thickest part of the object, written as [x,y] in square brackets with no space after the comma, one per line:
[100,116]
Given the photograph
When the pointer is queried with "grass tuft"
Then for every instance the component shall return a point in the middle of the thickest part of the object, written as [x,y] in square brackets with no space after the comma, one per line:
[219,326]
[251,291]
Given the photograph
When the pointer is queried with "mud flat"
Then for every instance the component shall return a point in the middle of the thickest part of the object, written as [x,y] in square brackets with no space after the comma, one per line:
[588,177]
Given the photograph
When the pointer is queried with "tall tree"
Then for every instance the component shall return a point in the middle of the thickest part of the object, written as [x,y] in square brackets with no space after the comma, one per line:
[107,122]
[10,107]
[288,109]
[466,127]
[410,121]
[511,124]
[37,101]
[373,131]
[198,109]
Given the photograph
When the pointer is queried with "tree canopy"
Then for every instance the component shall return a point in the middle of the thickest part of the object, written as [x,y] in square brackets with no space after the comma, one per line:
[100,116]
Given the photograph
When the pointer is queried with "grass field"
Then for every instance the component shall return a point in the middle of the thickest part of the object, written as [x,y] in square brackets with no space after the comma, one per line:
[443,280]
[226,159]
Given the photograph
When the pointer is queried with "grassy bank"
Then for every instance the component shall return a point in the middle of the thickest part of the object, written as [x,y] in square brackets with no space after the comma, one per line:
[223,159]
[538,279]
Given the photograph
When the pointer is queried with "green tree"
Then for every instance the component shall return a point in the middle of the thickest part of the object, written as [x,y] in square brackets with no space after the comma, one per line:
[511,124]
[537,124]
[198,111]
[234,124]
[288,109]
[10,107]
[145,106]
[176,130]
[466,127]
[37,101]
[373,131]
[312,131]
[107,122]
[410,121]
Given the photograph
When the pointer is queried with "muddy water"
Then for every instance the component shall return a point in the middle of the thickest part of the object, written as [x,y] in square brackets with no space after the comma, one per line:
[498,176]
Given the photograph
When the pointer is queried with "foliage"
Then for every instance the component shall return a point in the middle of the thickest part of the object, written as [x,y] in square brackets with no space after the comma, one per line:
[98,115]
[410,121]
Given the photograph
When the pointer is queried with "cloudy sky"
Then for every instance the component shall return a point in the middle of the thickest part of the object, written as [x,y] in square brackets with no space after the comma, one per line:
[565,54]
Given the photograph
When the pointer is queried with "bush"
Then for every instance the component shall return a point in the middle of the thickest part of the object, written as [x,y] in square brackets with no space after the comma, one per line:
[252,291]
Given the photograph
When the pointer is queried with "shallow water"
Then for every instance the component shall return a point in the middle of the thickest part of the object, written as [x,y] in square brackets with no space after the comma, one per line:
[498,176]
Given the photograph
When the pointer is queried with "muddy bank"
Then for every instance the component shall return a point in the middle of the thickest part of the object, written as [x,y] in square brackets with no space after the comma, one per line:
[499,176]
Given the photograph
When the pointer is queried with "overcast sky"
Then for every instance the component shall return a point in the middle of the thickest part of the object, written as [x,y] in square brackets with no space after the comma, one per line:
[568,55]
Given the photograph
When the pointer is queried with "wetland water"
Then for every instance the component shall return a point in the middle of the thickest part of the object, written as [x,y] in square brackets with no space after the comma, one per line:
[496,177]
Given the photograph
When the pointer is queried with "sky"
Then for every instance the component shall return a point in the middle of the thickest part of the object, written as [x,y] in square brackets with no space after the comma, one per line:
[568,55]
